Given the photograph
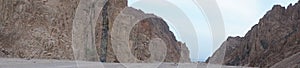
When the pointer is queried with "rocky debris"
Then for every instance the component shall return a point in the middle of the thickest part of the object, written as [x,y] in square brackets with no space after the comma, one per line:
[275,38]
[42,29]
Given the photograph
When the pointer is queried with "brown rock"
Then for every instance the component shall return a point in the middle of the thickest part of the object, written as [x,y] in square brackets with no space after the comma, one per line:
[273,39]
[151,28]
[42,29]
[29,27]
[147,29]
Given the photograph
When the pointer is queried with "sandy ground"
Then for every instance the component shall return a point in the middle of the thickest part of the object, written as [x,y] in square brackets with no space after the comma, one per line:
[43,63]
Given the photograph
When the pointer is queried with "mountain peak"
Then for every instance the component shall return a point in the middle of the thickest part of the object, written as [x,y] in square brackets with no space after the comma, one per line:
[274,39]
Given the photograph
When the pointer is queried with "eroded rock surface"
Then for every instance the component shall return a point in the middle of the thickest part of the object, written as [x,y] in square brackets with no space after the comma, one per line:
[36,28]
[148,29]
[42,29]
[273,39]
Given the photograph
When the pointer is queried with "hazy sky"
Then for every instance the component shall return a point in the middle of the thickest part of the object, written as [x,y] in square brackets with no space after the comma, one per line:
[238,15]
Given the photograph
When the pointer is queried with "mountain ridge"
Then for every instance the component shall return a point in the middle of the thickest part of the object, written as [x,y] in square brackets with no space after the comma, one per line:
[273,39]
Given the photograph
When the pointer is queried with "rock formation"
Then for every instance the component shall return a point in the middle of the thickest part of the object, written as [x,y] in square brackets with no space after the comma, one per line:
[145,35]
[275,38]
[42,29]
[36,28]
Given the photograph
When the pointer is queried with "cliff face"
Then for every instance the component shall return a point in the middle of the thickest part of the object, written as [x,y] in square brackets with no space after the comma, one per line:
[148,30]
[274,39]
[36,29]
[42,29]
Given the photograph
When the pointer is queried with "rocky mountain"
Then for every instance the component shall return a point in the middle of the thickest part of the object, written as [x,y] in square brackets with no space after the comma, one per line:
[42,29]
[273,42]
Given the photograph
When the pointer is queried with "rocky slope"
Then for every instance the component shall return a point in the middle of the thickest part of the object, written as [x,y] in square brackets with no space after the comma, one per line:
[42,29]
[275,38]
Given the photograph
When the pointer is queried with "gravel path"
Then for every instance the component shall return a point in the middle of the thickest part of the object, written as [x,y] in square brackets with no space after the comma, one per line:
[42,63]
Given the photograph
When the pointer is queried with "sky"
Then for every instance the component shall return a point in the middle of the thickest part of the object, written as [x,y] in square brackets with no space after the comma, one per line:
[189,24]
